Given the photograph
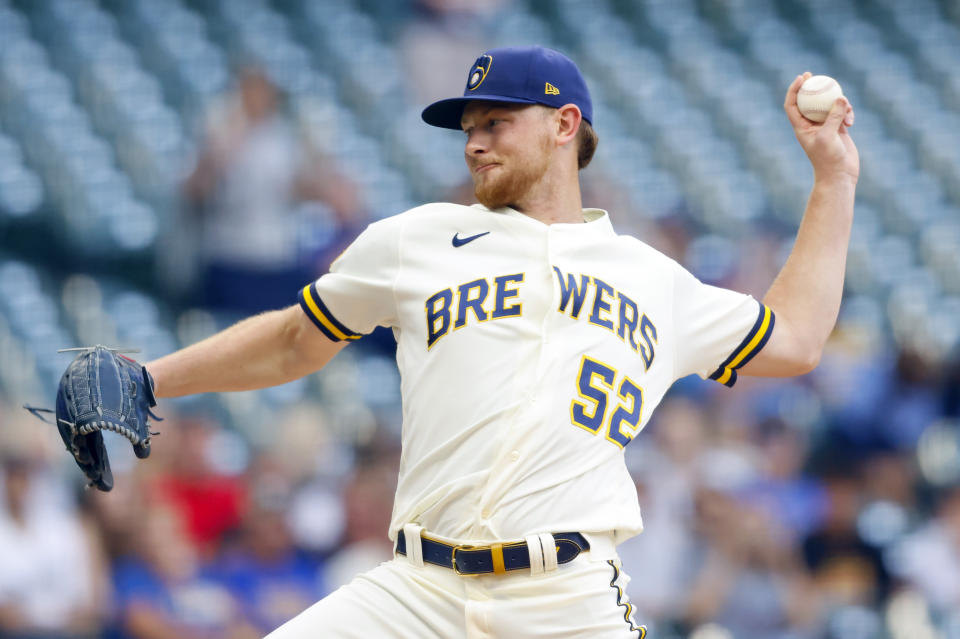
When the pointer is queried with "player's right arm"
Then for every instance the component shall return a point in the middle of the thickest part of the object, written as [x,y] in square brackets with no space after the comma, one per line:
[263,350]
[806,293]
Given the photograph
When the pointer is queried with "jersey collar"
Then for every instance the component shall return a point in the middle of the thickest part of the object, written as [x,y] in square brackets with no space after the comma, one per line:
[595,220]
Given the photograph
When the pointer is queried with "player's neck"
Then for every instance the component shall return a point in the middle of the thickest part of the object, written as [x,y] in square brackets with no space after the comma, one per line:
[553,201]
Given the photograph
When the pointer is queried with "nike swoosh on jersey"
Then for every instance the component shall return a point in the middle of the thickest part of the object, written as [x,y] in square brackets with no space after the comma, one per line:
[460,241]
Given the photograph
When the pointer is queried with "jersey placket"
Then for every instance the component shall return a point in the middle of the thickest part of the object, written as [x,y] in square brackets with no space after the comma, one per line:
[538,300]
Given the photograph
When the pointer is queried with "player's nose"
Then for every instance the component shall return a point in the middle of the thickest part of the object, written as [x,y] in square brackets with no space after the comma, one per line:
[476,143]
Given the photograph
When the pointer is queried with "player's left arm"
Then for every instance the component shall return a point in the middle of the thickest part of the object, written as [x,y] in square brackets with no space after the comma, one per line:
[805,296]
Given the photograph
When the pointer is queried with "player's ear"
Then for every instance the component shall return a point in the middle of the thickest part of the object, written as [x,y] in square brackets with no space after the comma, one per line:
[568,123]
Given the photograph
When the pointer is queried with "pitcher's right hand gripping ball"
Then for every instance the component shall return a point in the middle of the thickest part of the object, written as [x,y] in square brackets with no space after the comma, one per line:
[103,390]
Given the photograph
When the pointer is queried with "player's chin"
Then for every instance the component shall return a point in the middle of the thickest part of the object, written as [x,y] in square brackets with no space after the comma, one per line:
[484,181]
[492,198]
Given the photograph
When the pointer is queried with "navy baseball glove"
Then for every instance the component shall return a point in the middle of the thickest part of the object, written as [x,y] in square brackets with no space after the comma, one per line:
[102,390]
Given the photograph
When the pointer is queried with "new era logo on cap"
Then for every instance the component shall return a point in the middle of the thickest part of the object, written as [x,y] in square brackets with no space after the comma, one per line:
[519,75]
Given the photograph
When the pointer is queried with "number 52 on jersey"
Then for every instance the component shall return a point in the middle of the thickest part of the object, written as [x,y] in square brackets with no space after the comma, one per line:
[596,385]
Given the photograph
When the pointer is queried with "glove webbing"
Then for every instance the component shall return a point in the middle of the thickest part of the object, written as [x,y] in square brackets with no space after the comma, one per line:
[95,426]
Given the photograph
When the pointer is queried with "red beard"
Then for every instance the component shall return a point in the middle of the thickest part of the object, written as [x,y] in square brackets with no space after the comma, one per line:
[501,186]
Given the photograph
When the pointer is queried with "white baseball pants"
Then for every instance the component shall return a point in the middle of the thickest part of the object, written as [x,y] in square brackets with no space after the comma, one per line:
[585,598]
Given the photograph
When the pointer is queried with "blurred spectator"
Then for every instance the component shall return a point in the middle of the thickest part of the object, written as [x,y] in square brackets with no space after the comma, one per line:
[916,404]
[52,572]
[316,463]
[441,40]
[117,513]
[855,379]
[210,502]
[665,463]
[749,581]
[891,476]
[951,385]
[251,172]
[847,570]
[164,589]
[929,558]
[272,578]
[368,503]
[789,497]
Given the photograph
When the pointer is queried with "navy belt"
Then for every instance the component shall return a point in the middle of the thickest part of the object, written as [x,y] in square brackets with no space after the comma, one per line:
[493,559]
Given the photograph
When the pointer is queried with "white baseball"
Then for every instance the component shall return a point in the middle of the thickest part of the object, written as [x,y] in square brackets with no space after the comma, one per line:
[816,97]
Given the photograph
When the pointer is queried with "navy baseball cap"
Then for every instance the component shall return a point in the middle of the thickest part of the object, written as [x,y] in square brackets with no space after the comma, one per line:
[521,75]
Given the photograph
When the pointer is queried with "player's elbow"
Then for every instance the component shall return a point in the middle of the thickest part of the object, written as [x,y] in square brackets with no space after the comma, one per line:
[808,360]
[785,364]
[795,348]
[786,358]
[798,355]
[806,353]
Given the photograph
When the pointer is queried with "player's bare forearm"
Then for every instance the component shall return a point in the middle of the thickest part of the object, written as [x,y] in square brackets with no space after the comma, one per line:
[264,350]
[805,296]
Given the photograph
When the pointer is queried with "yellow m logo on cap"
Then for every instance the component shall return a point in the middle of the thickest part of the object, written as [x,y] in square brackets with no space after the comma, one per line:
[549,89]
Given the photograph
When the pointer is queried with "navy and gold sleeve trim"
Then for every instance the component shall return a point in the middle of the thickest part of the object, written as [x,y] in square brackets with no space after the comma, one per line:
[750,346]
[320,315]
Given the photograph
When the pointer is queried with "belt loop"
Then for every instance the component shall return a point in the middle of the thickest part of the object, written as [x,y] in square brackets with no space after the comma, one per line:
[496,554]
[536,554]
[602,546]
[411,533]
[549,546]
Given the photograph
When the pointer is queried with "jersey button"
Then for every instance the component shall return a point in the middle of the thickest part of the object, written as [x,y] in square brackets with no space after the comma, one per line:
[515,455]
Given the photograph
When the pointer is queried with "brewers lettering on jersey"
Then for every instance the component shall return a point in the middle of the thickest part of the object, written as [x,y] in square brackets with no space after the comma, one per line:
[534,342]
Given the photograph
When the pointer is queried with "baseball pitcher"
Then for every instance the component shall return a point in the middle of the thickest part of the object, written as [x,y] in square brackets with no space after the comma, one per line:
[534,343]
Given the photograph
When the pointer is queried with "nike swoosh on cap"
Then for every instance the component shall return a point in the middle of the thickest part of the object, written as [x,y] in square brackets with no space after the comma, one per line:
[460,241]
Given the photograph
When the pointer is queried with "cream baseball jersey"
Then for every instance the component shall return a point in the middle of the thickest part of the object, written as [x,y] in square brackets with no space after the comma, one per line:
[530,356]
